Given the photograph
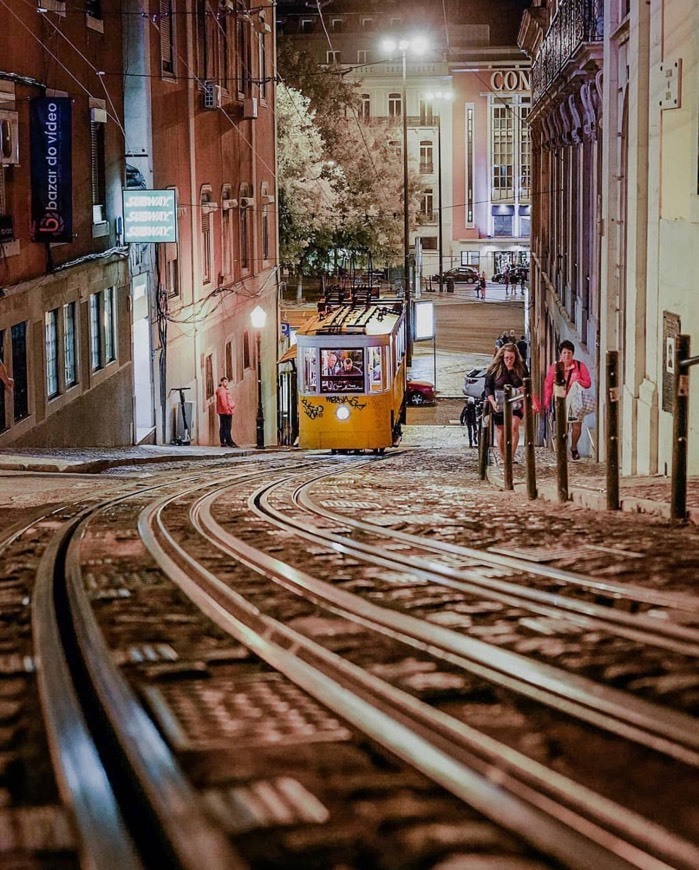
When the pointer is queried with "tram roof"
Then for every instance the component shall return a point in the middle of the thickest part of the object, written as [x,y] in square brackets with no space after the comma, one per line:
[378,317]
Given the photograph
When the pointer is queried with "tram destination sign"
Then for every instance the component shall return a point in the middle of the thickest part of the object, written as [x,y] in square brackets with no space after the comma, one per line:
[150,216]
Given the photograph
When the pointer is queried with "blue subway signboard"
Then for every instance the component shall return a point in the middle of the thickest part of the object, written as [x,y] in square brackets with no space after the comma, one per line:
[51,169]
[150,216]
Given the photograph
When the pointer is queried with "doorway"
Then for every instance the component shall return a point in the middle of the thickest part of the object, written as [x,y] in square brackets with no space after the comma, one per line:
[144,413]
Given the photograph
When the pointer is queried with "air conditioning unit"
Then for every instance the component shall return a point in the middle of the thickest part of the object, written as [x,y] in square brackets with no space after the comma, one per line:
[250,107]
[9,138]
[212,95]
[98,116]
[247,201]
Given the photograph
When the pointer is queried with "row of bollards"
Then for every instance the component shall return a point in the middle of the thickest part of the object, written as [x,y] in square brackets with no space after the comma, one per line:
[682,364]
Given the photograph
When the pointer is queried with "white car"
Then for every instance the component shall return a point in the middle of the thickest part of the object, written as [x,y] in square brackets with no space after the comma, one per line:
[474,383]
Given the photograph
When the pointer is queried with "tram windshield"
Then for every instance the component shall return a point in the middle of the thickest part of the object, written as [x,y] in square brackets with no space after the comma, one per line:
[342,370]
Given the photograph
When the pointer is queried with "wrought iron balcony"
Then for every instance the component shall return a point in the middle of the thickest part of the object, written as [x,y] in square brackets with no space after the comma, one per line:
[576,23]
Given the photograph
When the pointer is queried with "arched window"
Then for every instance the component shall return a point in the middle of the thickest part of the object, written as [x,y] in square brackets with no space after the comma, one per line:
[245,202]
[227,242]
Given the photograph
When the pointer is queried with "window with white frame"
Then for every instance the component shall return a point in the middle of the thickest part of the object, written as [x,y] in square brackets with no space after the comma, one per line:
[227,231]
[95,337]
[336,25]
[70,346]
[502,150]
[206,240]
[395,105]
[367,23]
[426,157]
[365,107]
[525,150]
[363,56]
[427,203]
[426,113]
[102,328]
[98,171]
[332,57]
[306,25]
[109,325]
[245,228]
[51,350]
[470,160]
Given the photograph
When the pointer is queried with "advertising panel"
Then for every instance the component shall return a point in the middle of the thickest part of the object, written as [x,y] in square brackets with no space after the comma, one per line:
[150,216]
[51,169]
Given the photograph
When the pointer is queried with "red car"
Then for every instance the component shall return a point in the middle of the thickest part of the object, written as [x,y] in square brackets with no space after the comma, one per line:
[420,393]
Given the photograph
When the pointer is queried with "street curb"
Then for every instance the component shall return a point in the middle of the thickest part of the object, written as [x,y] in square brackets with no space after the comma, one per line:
[96,466]
[595,500]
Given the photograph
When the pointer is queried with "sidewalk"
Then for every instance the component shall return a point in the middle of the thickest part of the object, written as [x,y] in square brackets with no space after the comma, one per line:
[587,486]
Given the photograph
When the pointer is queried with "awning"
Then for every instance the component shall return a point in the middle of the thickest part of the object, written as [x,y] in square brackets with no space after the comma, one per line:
[288,355]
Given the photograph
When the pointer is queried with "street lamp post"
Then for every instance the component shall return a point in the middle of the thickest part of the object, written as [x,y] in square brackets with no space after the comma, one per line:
[418,45]
[258,317]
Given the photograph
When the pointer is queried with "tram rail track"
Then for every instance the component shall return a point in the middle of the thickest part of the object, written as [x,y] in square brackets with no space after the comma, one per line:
[560,819]
[642,845]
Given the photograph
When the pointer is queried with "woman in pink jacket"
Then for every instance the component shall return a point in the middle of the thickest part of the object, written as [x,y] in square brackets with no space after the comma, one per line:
[573,372]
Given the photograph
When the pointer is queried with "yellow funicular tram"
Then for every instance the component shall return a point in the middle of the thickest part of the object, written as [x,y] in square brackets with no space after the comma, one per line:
[352,375]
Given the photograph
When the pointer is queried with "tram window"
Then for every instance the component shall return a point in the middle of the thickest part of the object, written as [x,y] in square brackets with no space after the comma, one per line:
[377,369]
[342,371]
[310,369]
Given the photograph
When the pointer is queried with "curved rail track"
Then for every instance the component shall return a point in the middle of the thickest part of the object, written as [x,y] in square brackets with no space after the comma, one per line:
[233,675]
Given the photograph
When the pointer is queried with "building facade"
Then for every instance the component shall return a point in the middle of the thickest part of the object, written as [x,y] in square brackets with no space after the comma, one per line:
[615,190]
[469,151]
[64,324]
[199,108]
[98,331]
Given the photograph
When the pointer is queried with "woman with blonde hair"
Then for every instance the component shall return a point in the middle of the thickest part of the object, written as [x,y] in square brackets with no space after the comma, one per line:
[506,368]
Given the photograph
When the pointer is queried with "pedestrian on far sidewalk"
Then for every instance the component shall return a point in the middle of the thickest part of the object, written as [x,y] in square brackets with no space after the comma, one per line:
[507,281]
[523,348]
[224,408]
[481,284]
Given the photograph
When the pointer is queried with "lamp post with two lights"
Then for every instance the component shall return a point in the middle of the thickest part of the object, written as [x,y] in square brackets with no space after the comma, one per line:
[417,45]
[258,318]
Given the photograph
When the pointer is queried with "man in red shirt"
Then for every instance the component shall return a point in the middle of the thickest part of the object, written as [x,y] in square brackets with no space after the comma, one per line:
[224,408]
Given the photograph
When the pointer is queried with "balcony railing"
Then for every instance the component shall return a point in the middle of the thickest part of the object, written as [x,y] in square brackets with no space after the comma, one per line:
[576,22]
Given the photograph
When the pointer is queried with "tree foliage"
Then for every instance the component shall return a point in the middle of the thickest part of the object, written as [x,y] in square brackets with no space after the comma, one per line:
[340,179]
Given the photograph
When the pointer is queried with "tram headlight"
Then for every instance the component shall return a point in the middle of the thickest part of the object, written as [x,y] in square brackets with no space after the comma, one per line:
[342,412]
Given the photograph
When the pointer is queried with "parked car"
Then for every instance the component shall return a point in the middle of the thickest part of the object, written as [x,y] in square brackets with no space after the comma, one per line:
[474,383]
[460,274]
[420,393]
[515,273]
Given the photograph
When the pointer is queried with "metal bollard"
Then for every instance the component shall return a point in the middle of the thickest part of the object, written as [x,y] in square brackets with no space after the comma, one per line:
[507,435]
[483,444]
[612,417]
[529,439]
[559,392]
[680,428]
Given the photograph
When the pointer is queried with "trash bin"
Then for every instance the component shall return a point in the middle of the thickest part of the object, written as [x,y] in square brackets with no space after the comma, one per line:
[450,284]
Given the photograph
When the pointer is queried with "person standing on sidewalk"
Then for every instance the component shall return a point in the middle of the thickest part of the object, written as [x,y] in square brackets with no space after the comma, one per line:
[224,409]
[481,284]
[574,371]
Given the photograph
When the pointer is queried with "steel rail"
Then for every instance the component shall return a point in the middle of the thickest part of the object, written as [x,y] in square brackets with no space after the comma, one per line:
[64,630]
[674,601]
[666,731]
[637,627]
[559,817]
